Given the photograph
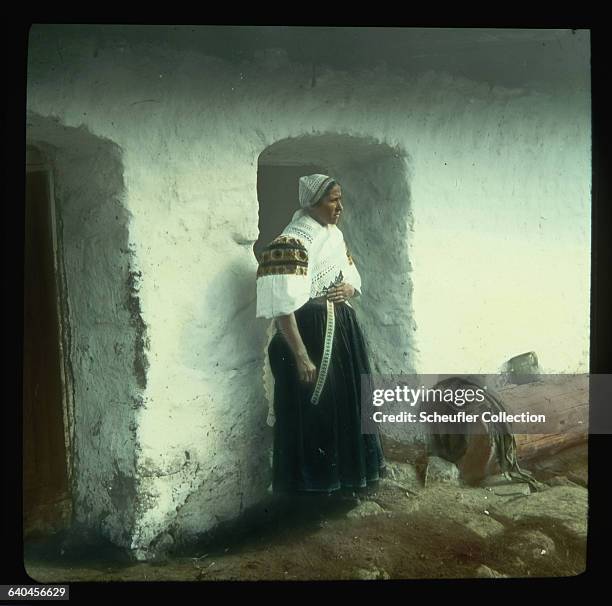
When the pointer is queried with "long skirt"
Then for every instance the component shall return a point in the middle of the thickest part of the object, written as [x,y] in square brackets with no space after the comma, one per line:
[320,447]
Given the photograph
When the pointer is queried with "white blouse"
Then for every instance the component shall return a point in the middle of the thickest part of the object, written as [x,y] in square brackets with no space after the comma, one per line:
[302,263]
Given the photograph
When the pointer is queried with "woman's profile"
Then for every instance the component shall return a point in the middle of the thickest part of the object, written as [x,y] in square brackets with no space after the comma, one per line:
[305,279]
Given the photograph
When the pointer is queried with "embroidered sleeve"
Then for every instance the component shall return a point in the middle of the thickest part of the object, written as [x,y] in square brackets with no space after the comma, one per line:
[284,255]
[283,281]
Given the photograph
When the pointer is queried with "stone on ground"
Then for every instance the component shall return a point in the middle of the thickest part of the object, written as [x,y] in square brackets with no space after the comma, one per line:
[565,505]
[484,572]
[531,542]
[404,474]
[482,525]
[440,470]
[364,509]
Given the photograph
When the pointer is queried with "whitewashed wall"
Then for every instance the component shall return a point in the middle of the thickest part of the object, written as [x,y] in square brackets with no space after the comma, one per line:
[496,244]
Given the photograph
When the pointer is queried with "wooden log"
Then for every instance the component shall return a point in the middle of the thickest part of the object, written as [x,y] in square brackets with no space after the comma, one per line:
[564,401]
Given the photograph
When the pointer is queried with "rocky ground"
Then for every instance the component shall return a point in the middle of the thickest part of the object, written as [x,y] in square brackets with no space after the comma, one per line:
[407,528]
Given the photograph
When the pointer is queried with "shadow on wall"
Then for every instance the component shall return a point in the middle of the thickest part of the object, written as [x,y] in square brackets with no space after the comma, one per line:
[233,445]
[377,225]
[104,336]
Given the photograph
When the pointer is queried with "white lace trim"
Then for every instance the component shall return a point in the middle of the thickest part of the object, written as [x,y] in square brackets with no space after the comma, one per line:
[327,259]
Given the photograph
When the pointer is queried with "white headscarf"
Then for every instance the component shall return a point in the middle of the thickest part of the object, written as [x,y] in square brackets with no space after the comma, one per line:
[311,188]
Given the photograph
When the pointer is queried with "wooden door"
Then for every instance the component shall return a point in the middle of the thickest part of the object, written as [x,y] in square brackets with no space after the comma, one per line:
[46,497]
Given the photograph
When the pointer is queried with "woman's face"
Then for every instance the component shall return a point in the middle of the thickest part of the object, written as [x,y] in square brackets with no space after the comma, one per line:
[329,209]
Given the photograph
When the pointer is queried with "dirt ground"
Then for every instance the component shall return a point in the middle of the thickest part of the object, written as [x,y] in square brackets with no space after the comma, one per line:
[400,530]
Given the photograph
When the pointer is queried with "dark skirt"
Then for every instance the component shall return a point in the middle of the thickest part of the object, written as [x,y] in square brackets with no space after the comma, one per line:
[320,447]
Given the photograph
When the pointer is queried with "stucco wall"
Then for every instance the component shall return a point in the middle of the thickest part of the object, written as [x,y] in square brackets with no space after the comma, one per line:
[502,231]
[104,333]
[497,237]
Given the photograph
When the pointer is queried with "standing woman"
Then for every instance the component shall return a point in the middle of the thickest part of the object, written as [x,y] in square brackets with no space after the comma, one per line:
[305,279]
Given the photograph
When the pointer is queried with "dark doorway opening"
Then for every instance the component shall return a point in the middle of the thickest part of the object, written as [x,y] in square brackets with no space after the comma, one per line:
[47,503]
[277,192]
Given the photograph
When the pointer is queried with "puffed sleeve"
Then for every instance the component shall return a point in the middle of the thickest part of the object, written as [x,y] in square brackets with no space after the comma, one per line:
[352,276]
[283,281]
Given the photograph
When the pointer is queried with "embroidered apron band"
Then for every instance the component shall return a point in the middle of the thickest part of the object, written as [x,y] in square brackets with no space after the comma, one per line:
[327,351]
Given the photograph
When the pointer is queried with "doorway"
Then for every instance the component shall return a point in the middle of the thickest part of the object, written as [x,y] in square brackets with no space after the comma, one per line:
[377,225]
[47,502]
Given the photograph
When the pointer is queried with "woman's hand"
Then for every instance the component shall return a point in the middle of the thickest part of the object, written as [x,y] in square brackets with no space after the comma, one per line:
[287,325]
[307,371]
[340,293]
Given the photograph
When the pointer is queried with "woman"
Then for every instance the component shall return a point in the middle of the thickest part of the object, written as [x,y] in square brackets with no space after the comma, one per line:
[305,279]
